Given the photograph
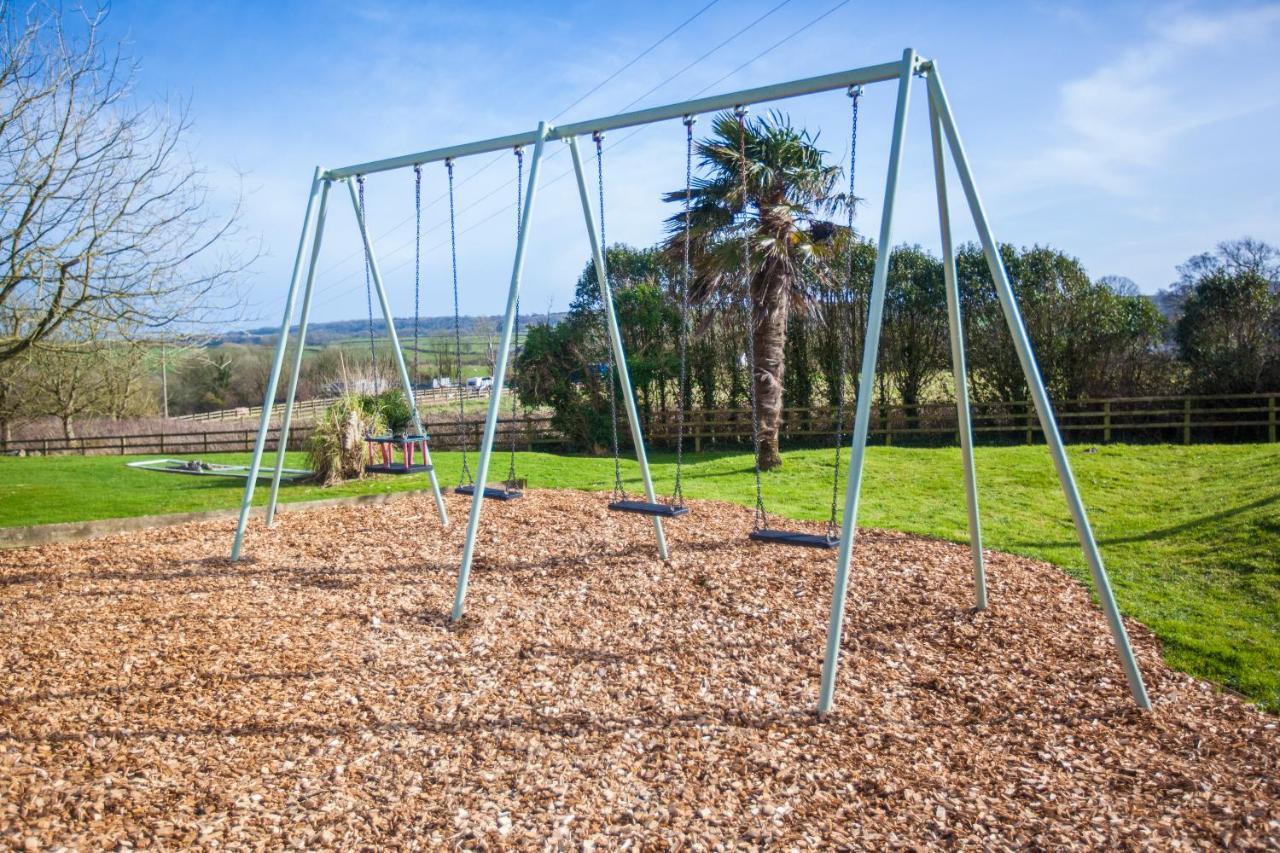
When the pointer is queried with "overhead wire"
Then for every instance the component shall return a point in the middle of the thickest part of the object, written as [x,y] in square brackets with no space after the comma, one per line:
[619,142]
[639,56]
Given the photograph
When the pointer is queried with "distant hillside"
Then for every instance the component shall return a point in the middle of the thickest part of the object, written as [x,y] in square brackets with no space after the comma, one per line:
[339,330]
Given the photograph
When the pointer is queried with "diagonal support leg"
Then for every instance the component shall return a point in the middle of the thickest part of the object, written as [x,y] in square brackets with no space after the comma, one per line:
[389,319]
[287,419]
[958,368]
[499,376]
[862,416]
[277,362]
[1044,408]
[615,341]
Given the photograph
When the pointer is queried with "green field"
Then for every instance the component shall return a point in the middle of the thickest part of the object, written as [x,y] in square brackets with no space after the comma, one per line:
[1191,535]
[475,352]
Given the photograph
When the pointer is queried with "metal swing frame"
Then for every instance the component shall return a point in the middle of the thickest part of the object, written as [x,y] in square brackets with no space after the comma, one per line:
[944,135]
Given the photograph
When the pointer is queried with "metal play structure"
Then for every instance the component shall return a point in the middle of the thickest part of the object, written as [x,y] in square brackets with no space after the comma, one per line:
[945,138]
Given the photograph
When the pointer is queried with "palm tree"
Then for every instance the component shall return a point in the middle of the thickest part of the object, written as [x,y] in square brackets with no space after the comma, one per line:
[775,224]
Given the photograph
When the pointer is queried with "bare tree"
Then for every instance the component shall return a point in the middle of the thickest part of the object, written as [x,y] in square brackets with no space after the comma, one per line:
[126,368]
[69,380]
[16,402]
[103,216]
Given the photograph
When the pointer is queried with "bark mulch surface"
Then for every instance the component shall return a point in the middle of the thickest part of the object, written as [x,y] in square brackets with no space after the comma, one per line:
[153,693]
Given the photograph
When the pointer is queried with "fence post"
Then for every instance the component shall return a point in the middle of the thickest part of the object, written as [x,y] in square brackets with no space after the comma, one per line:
[1031,439]
[1271,418]
[122,445]
[162,442]
[1106,422]
[1186,421]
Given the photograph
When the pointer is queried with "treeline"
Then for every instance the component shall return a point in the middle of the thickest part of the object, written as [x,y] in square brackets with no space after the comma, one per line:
[1218,332]
[98,375]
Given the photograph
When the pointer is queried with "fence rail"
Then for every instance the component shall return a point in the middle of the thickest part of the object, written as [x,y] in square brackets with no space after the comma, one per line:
[1248,417]
[307,410]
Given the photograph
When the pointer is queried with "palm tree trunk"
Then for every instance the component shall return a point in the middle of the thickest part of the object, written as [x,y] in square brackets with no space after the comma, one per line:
[768,341]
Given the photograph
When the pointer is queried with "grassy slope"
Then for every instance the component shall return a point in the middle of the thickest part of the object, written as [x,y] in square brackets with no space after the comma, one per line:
[1191,535]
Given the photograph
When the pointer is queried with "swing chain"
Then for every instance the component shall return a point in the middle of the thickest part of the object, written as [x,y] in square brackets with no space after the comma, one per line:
[760,520]
[515,351]
[368,287]
[619,493]
[417,274]
[465,477]
[842,346]
[677,495]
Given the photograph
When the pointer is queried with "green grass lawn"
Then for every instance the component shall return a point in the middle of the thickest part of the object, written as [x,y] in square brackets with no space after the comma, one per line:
[1191,535]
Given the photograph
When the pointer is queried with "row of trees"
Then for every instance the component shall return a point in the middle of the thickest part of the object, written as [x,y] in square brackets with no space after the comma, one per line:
[89,377]
[1093,338]
[117,378]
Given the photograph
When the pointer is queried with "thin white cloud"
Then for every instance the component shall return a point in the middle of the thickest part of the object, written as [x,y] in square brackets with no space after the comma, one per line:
[1117,124]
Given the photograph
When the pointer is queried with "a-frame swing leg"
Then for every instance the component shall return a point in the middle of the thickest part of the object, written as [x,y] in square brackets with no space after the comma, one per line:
[1044,408]
[866,381]
[389,319]
[499,376]
[287,418]
[264,424]
[615,342]
[958,368]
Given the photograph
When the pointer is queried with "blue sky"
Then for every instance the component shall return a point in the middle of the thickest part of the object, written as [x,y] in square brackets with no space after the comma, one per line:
[1131,135]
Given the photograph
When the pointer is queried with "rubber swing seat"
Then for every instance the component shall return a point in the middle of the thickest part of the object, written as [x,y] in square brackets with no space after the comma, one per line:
[646,508]
[396,468]
[802,540]
[491,493]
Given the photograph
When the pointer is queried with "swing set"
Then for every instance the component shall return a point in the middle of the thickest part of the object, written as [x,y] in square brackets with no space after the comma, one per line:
[840,530]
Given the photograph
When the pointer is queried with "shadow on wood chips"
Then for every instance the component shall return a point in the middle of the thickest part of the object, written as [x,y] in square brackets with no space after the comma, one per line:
[316,694]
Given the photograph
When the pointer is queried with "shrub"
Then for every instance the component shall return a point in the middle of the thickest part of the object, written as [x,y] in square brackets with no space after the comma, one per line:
[396,412]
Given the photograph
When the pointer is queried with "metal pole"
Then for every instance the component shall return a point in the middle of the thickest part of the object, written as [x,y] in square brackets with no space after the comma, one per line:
[862,419]
[615,342]
[1044,408]
[499,376]
[387,316]
[958,368]
[697,106]
[286,418]
[276,363]
[164,377]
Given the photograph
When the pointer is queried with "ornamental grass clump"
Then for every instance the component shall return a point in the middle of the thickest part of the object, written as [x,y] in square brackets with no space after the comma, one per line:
[335,449]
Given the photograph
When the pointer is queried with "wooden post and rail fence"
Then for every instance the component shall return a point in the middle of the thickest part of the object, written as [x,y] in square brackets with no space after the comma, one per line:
[1178,420]
[305,411]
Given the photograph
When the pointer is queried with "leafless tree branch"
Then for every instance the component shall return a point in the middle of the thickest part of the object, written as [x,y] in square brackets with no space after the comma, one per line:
[103,216]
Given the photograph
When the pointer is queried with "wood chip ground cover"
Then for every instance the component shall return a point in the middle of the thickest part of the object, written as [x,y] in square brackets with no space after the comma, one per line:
[155,694]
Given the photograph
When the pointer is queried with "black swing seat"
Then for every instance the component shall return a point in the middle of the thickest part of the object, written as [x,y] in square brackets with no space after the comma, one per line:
[787,537]
[491,493]
[395,468]
[646,508]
